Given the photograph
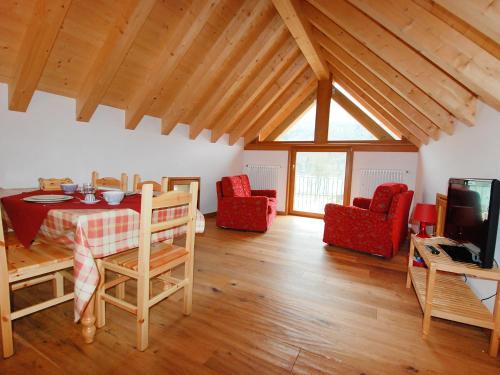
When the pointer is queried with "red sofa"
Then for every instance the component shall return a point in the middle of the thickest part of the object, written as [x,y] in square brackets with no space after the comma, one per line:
[376,226]
[240,207]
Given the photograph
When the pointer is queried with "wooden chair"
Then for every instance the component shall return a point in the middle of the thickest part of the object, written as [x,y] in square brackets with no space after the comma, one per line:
[157,187]
[20,268]
[110,182]
[48,184]
[150,261]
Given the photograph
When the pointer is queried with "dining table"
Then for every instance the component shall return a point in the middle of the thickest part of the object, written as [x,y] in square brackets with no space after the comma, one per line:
[92,231]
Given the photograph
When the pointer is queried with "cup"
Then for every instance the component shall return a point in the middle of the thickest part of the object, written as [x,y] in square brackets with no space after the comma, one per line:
[69,188]
[113,197]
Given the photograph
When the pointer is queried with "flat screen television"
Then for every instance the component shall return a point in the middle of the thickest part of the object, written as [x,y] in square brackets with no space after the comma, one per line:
[472,217]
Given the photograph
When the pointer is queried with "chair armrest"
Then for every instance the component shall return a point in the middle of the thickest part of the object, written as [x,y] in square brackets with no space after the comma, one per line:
[354,216]
[246,203]
[362,202]
[264,193]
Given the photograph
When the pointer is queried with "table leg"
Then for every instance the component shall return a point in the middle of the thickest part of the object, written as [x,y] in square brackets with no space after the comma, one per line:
[495,333]
[410,263]
[88,322]
[429,294]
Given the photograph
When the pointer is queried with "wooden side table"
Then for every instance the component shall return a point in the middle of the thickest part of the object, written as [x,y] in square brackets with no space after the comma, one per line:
[446,295]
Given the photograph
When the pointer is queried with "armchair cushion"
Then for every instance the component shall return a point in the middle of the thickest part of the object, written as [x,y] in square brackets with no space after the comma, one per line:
[234,187]
[382,197]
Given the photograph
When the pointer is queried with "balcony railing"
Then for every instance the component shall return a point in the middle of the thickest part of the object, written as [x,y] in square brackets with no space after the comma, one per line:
[311,193]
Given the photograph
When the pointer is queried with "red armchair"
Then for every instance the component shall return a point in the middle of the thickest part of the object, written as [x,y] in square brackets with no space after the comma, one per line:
[376,226]
[239,207]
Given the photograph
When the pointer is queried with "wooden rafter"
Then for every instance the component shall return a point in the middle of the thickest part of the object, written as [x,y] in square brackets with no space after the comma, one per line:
[291,13]
[285,56]
[447,48]
[37,43]
[237,74]
[261,104]
[366,121]
[418,119]
[278,105]
[385,72]
[111,55]
[436,83]
[193,90]
[195,18]
[291,119]
[378,109]
[484,15]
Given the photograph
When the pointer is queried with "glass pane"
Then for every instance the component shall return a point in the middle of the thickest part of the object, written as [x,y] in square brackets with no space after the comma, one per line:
[319,179]
[303,127]
[344,127]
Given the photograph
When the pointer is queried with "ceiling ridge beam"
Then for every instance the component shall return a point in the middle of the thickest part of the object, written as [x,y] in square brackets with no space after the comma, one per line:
[120,37]
[384,71]
[193,21]
[198,82]
[281,127]
[432,80]
[291,92]
[453,52]
[272,35]
[292,15]
[37,43]
[263,102]
[284,57]
[334,51]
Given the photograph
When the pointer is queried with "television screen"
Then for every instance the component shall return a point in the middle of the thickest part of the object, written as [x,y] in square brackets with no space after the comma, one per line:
[472,216]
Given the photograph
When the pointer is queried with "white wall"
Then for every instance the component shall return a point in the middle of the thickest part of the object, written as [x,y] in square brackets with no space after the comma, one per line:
[278,158]
[47,141]
[469,152]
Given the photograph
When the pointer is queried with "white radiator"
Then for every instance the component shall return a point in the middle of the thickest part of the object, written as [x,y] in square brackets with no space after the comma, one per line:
[264,176]
[371,178]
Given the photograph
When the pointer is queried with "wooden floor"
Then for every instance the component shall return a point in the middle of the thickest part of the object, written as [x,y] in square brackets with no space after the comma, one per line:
[279,302]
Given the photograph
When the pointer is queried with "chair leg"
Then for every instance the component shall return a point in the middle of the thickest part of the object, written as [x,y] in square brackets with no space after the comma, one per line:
[58,285]
[6,322]
[188,289]
[101,304]
[142,314]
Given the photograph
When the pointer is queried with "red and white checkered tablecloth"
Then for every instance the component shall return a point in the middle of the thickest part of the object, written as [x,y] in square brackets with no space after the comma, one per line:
[98,233]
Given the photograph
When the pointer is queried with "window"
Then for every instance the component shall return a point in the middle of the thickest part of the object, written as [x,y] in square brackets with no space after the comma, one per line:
[303,128]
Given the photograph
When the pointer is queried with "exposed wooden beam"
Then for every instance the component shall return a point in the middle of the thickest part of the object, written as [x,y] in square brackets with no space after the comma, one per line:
[444,46]
[195,18]
[38,40]
[237,74]
[378,109]
[194,89]
[436,83]
[127,24]
[366,121]
[381,87]
[291,13]
[292,118]
[323,100]
[285,57]
[385,72]
[397,115]
[482,40]
[484,15]
[381,146]
[263,102]
[282,106]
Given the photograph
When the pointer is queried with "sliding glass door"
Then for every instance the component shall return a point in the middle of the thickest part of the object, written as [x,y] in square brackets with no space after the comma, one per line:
[318,178]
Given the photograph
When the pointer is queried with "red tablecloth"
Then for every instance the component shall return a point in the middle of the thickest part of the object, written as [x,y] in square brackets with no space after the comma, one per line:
[26,218]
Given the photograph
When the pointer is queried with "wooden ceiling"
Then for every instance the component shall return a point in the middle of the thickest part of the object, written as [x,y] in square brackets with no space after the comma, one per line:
[250,67]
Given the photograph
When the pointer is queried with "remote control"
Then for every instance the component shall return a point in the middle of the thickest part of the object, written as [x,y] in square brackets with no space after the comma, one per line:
[433,249]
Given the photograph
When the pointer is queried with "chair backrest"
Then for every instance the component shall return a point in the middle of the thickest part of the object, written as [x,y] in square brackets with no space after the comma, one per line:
[236,186]
[110,182]
[383,196]
[48,184]
[158,187]
[163,201]
[398,215]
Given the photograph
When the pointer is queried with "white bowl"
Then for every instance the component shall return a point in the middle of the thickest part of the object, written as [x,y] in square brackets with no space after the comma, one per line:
[113,197]
[69,188]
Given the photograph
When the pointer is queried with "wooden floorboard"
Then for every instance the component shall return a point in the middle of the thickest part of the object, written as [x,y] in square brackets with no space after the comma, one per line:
[275,303]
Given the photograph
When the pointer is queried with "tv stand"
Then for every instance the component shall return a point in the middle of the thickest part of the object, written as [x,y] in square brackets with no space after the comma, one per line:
[442,292]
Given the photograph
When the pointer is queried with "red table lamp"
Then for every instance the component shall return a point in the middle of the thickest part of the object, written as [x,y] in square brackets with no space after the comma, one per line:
[426,215]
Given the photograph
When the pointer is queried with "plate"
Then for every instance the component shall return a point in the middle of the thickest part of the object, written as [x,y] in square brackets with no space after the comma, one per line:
[94,202]
[49,198]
